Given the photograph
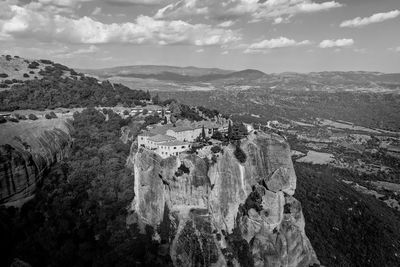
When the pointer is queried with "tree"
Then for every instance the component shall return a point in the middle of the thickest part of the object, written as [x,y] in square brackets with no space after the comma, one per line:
[156,99]
[165,120]
[32,117]
[217,135]
[203,133]
[230,133]
[239,154]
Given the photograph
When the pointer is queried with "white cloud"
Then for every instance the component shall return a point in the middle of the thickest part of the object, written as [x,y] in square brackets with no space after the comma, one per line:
[138,2]
[265,45]
[278,10]
[96,11]
[336,43]
[378,17]
[23,22]
[226,24]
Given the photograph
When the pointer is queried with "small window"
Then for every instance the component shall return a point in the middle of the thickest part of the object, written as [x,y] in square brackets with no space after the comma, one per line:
[183,146]
[174,147]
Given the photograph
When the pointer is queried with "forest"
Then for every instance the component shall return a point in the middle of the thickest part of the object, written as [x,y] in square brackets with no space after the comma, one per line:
[345,227]
[56,89]
[78,215]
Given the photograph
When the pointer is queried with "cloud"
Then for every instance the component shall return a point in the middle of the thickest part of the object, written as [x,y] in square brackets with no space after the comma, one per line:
[96,11]
[278,10]
[336,43]
[46,27]
[378,17]
[226,24]
[265,45]
[136,2]
[201,50]
[225,52]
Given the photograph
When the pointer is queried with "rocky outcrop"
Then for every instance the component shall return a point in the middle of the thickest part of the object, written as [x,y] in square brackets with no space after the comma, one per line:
[223,212]
[25,158]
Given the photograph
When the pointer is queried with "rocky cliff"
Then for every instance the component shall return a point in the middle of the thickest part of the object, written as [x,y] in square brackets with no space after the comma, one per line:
[222,212]
[27,151]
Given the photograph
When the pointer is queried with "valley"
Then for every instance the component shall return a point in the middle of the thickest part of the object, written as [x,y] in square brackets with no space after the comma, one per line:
[71,147]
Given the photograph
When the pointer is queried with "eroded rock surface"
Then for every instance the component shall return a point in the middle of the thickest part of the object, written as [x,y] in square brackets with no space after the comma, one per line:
[224,213]
[25,158]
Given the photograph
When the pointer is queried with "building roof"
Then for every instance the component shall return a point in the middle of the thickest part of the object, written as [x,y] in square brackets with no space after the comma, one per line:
[162,138]
[174,143]
[178,129]
[147,133]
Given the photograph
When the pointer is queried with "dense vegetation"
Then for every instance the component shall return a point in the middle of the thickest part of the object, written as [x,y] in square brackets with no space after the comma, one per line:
[346,228]
[78,215]
[57,89]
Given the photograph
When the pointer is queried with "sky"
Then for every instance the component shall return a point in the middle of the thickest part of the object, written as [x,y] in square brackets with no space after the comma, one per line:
[269,35]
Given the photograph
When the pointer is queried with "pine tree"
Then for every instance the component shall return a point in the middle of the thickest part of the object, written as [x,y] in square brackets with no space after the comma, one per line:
[203,133]
[230,133]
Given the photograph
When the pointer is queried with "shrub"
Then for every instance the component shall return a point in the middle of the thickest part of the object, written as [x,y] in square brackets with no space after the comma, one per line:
[32,117]
[126,113]
[145,111]
[8,57]
[53,115]
[31,72]
[239,154]
[45,61]
[48,116]
[2,119]
[3,75]
[3,85]
[13,119]
[33,65]
[26,75]
[8,82]
[216,149]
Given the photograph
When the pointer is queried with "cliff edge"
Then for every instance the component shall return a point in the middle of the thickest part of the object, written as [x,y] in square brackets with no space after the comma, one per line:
[222,212]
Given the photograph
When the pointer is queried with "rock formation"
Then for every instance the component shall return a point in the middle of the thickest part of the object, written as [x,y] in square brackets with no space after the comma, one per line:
[25,158]
[222,212]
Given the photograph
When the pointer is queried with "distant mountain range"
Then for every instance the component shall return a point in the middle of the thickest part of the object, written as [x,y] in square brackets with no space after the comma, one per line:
[326,81]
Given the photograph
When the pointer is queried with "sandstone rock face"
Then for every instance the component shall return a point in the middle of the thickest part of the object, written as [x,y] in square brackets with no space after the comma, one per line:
[25,158]
[224,213]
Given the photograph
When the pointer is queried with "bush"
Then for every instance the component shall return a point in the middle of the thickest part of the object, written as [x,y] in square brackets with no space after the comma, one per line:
[32,117]
[48,116]
[239,154]
[126,113]
[8,57]
[26,75]
[31,72]
[216,149]
[2,119]
[3,85]
[45,61]
[8,82]
[53,115]
[3,75]
[33,65]
[13,119]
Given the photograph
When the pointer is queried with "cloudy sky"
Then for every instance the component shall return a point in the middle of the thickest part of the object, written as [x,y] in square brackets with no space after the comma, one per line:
[269,35]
